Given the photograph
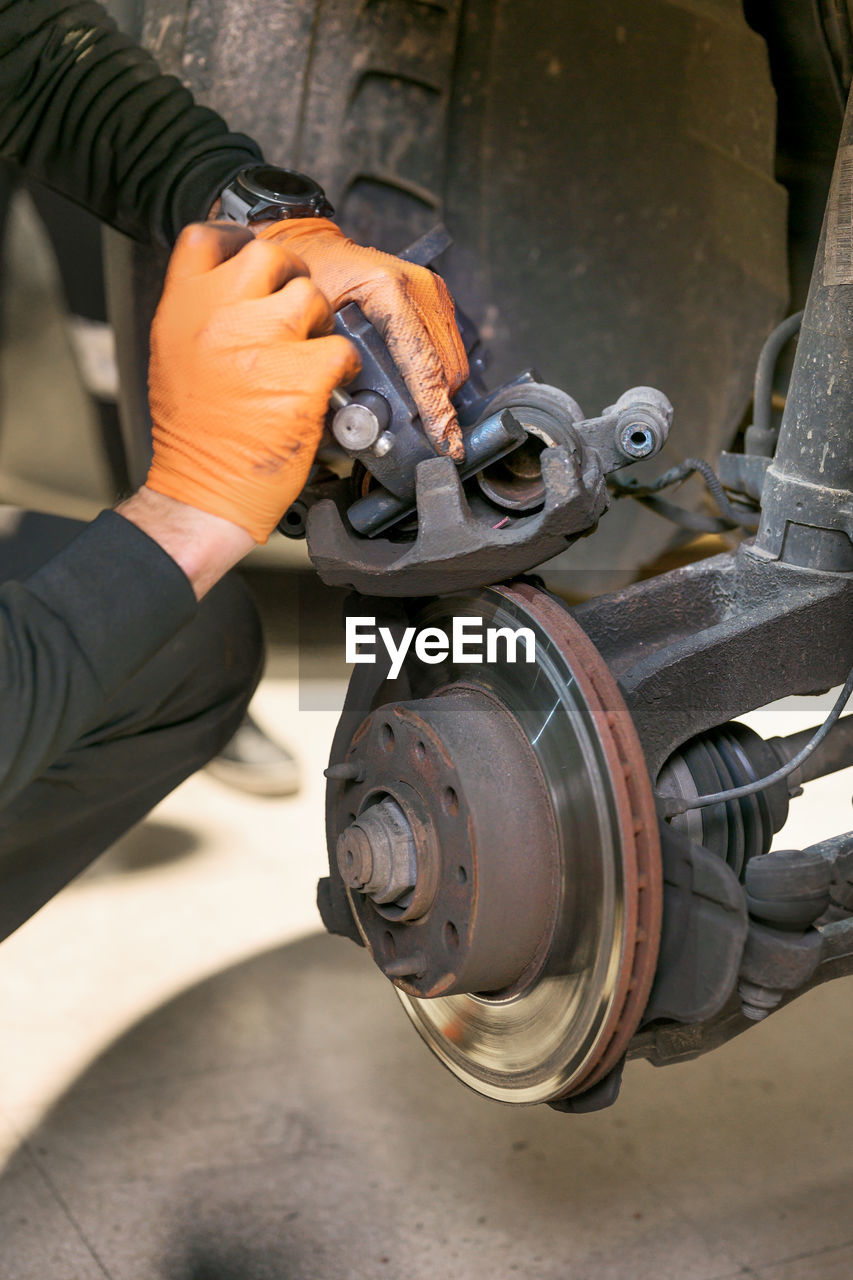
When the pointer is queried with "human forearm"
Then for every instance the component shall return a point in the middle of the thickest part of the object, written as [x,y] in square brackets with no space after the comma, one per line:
[73,633]
[203,546]
[89,114]
[81,626]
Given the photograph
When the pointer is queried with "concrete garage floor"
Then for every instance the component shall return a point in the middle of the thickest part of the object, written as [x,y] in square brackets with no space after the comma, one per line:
[197,1084]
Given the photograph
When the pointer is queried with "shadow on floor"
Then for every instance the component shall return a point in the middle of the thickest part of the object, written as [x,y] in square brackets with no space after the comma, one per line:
[150,845]
[281,1121]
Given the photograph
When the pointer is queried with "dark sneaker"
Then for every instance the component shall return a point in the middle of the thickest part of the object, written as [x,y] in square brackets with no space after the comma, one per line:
[254,763]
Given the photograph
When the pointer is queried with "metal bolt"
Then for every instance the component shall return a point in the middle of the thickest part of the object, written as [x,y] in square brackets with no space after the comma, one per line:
[355,426]
[643,421]
[636,439]
[376,854]
[355,857]
[384,444]
[349,771]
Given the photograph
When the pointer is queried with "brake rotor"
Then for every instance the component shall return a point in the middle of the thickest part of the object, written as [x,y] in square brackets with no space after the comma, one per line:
[522,934]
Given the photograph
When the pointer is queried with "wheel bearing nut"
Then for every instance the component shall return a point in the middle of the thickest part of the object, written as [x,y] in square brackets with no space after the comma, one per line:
[377,855]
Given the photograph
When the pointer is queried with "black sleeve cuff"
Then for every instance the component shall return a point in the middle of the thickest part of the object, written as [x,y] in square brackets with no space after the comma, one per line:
[120,595]
[193,194]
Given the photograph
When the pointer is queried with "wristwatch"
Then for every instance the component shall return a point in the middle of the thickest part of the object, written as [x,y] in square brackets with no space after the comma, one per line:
[263,193]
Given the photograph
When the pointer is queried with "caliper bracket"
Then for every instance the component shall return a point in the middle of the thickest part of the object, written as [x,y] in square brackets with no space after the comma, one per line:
[453,550]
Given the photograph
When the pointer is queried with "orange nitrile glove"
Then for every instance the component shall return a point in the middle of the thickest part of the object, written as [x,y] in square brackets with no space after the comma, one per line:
[409,305]
[239,380]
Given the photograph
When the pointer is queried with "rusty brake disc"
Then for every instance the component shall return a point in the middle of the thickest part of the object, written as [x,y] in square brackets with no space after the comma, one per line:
[520,923]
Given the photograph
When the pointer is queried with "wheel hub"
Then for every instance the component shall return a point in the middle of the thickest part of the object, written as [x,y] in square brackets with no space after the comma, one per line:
[474,864]
[496,834]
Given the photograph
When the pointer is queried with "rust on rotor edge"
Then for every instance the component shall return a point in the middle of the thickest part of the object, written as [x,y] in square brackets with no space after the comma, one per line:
[640,841]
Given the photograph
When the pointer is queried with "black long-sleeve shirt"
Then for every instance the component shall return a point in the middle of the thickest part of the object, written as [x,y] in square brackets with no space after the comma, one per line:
[89,114]
[73,633]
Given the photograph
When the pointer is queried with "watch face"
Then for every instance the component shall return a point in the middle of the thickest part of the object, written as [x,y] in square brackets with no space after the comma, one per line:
[264,193]
[270,183]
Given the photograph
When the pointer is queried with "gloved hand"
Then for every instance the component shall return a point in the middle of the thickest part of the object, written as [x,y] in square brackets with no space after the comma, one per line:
[240,378]
[410,306]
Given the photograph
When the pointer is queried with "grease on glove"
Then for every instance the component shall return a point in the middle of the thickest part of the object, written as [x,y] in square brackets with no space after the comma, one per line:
[240,376]
[409,305]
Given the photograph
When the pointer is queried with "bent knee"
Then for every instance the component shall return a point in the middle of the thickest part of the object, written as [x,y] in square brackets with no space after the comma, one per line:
[228,640]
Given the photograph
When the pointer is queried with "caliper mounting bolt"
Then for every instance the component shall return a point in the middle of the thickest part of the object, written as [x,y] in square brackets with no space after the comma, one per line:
[636,439]
[359,424]
[645,416]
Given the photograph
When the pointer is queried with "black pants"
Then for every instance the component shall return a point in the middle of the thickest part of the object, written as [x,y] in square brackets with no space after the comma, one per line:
[168,721]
